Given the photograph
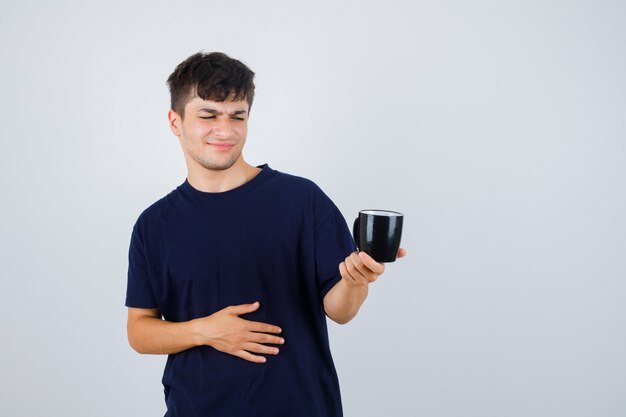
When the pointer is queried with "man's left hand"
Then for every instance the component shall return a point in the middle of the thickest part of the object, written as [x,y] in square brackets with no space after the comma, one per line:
[359,269]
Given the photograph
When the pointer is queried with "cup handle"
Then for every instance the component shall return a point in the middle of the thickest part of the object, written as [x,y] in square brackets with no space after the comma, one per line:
[355,232]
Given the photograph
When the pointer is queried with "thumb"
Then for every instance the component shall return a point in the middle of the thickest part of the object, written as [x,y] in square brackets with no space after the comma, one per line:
[244,308]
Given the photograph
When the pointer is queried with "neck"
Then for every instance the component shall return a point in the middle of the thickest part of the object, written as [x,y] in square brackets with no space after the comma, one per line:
[218,181]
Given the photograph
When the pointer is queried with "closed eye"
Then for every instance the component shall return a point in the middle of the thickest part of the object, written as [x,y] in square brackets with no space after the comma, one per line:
[208,117]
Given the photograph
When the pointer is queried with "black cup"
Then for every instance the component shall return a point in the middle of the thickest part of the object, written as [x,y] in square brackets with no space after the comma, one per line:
[378,233]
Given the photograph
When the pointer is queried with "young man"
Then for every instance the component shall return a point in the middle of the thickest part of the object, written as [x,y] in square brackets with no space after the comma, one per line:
[233,273]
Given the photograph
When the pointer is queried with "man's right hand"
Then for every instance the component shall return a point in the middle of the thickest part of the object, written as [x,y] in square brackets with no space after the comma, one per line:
[229,333]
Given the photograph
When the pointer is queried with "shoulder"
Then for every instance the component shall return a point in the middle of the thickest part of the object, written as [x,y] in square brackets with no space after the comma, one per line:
[156,211]
[295,182]
[305,190]
[299,186]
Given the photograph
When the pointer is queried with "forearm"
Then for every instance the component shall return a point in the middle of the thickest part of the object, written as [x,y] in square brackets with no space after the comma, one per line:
[343,301]
[155,336]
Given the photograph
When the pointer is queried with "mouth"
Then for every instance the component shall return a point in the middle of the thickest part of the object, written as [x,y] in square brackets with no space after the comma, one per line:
[221,146]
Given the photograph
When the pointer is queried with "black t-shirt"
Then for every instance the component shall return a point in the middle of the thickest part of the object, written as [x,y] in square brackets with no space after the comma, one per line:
[277,239]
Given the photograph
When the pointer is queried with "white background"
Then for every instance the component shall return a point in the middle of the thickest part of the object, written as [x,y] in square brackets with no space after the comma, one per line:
[497,127]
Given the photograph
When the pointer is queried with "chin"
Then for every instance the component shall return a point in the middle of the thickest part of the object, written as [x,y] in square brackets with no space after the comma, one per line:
[214,166]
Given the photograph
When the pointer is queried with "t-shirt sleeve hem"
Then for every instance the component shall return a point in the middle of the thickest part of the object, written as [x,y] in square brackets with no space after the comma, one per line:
[136,303]
[329,285]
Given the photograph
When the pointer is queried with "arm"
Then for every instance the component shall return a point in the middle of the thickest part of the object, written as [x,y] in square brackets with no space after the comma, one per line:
[343,301]
[223,330]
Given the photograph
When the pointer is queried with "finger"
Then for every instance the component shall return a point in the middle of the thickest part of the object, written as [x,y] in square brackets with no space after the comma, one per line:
[259,348]
[243,308]
[358,263]
[368,275]
[402,252]
[250,357]
[266,338]
[257,326]
[344,272]
[375,267]
[354,271]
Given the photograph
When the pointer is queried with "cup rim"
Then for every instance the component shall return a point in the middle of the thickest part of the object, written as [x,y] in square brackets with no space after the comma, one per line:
[379,212]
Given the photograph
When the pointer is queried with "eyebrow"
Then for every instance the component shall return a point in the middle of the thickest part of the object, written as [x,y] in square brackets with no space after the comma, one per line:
[213,111]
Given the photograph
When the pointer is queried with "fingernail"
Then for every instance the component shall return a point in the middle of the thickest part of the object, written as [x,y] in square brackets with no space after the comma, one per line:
[282,341]
[276,351]
[263,359]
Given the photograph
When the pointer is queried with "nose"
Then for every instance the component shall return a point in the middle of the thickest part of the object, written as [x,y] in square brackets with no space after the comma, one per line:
[221,128]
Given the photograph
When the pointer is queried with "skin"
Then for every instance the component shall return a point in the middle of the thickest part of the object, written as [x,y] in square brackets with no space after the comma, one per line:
[212,136]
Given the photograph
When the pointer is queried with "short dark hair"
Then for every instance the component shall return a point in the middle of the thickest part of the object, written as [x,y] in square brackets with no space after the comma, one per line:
[214,76]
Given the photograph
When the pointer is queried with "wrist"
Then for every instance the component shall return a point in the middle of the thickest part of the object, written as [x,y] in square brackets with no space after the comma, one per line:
[353,294]
[344,300]
[198,333]
[357,288]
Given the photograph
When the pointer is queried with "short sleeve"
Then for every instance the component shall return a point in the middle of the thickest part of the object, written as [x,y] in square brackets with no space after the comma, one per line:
[139,293]
[333,243]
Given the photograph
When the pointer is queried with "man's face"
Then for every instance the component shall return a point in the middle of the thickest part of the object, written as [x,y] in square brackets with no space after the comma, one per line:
[212,134]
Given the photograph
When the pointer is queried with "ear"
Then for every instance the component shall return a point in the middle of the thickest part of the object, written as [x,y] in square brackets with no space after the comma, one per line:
[174,122]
